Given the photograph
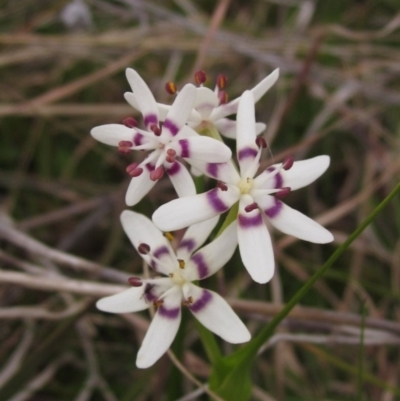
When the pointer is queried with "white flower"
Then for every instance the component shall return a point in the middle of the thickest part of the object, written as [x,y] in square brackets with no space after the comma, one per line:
[174,139]
[210,107]
[175,290]
[256,205]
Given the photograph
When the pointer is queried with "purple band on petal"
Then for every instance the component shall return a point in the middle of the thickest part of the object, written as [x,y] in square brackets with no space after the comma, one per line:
[162,250]
[184,148]
[188,243]
[278,177]
[202,302]
[148,294]
[202,268]
[212,169]
[278,181]
[248,222]
[150,167]
[171,127]
[247,152]
[274,210]
[150,119]
[137,139]
[169,313]
[216,203]
[174,169]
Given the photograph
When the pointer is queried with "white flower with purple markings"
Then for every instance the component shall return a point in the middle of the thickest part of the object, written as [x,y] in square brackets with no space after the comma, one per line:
[257,206]
[211,107]
[170,293]
[167,143]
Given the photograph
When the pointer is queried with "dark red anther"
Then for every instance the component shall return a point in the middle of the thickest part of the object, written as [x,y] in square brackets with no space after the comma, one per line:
[221,81]
[143,248]
[251,207]
[283,192]
[261,142]
[130,122]
[223,97]
[222,186]
[171,155]
[124,146]
[135,281]
[200,77]
[287,162]
[133,170]
[170,87]
[157,173]
[156,129]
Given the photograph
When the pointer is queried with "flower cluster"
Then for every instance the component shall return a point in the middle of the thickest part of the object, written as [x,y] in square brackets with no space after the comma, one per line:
[173,135]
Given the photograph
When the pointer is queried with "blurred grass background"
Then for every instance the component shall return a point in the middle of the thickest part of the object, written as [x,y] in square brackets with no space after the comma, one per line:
[62,72]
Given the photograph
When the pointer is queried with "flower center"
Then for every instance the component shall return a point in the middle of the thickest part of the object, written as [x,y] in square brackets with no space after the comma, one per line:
[245,185]
[177,277]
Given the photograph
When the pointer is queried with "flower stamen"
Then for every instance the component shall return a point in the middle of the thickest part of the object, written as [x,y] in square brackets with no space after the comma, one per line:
[170,87]
[130,122]
[221,81]
[188,302]
[157,173]
[133,170]
[181,263]
[171,155]
[261,142]
[251,207]
[283,192]
[222,186]
[124,146]
[200,77]
[143,248]
[287,162]
[168,236]
[135,281]
[156,129]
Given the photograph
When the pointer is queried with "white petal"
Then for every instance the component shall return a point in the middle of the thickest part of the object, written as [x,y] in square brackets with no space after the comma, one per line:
[212,257]
[225,172]
[144,98]
[226,127]
[112,134]
[130,300]
[260,89]
[163,109]
[194,237]
[183,212]
[304,172]
[214,313]
[255,243]
[141,230]
[186,132]
[246,147]
[292,222]
[181,179]
[260,127]
[179,112]
[162,330]
[206,101]
[131,99]
[139,187]
[202,148]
